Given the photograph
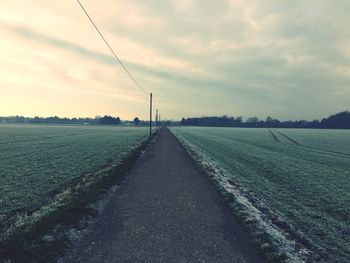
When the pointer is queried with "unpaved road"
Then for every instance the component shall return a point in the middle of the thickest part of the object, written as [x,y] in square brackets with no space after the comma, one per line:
[166,211]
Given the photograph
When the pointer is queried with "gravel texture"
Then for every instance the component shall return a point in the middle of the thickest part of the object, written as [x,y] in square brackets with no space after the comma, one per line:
[165,211]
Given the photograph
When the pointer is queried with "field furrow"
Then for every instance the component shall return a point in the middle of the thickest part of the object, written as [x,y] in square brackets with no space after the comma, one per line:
[38,161]
[297,178]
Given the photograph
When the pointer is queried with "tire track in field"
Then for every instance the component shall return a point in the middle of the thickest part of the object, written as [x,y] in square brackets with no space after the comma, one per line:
[314,149]
[253,207]
[288,138]
[273,135]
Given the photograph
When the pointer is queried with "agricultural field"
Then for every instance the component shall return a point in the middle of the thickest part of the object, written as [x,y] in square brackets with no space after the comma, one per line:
[38,161]
[295,181]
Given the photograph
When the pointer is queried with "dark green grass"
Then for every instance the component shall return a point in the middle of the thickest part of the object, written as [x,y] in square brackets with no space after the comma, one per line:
[39,161]
[40,236]
[307,185]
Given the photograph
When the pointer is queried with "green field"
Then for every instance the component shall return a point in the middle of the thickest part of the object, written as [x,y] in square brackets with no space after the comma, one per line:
[296,181]
[38,161]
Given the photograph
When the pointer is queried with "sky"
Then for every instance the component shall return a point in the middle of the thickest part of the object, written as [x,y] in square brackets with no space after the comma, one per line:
[286,59]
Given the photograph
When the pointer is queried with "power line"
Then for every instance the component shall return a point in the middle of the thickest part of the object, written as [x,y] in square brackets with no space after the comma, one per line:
[110,48]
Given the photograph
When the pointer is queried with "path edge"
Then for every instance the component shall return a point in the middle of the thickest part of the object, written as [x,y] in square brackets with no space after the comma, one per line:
[261,241]
[42,236]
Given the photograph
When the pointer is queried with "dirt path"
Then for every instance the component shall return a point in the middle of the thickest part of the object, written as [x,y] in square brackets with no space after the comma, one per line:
[166,211]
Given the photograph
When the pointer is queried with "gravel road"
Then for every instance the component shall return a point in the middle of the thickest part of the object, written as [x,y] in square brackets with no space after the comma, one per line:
[165,211]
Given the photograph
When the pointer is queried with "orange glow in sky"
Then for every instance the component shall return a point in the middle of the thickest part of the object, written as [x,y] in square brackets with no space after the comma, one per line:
[240,58]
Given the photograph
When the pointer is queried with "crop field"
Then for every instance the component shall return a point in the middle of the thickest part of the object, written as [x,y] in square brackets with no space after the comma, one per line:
[37,161]
[298,180]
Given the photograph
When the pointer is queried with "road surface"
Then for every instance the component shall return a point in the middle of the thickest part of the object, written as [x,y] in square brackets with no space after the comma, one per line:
[165,211]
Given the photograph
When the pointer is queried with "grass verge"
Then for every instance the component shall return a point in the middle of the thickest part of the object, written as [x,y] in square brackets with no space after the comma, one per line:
[41,236]
[262,239]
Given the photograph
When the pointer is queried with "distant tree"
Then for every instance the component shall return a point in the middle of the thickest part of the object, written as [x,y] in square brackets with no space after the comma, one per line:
[314,124]
[136,121]
[253,120]
[238,121]
[108,120]
[36,119]
[19,119]
[269,119]
[270,122]
[340,120]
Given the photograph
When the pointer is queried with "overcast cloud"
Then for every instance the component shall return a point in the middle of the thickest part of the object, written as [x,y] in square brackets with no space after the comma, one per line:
[286,59]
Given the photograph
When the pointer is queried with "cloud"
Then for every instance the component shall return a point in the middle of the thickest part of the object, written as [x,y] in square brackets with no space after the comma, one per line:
[287,59]
[25,32]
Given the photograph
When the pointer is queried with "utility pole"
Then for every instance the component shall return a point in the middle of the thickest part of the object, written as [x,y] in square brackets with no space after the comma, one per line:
[156,118]
[150,114]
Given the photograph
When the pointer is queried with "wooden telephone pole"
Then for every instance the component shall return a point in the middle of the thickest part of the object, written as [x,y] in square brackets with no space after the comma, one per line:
[150,114]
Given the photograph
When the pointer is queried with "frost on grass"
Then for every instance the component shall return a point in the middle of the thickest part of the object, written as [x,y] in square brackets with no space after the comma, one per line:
[255,213]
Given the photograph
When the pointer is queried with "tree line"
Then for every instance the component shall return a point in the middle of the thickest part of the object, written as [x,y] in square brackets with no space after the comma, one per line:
[105,120]
[340,120]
